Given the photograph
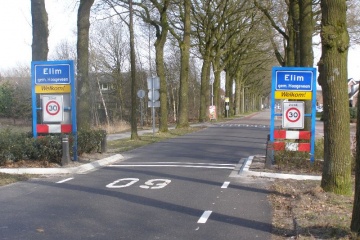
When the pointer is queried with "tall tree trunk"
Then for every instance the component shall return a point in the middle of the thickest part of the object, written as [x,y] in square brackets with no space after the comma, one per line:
[216,86]
[134,105]
[160,66]
[238,80]
[291,42]
[183,118]
[204,89]
[83,85]
[306,51]
[40,30]
[336,176]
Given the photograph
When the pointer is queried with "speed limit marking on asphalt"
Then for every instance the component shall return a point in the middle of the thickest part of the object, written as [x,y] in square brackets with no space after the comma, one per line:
[293,115]
[52,108]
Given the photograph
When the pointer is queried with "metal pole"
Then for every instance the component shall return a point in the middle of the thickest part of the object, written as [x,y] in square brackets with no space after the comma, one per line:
[153,103]
[65,151]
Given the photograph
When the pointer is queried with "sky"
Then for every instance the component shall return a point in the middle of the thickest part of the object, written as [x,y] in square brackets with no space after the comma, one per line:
[16,33]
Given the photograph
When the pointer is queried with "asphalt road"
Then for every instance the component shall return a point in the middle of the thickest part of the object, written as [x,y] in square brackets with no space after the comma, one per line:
[177,189]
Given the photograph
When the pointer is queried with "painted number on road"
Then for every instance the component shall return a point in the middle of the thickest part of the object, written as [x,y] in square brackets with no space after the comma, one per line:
[150,184]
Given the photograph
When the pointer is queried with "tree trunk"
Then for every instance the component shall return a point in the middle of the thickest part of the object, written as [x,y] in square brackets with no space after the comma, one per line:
[204,90]
[306,51]
[238,80]
[40,31]
[291,42]
[336,176]
[183,118]
[134,105]
[160,67]
[83,85]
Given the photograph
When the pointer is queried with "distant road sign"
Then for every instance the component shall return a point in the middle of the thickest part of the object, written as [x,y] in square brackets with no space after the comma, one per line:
[141,94]
[153,95]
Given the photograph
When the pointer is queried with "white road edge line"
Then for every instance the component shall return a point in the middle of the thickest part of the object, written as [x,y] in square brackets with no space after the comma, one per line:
[204,217]
[65,180]
[225,185]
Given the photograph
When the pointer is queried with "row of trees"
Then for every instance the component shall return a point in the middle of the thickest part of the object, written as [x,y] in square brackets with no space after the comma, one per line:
[238,38]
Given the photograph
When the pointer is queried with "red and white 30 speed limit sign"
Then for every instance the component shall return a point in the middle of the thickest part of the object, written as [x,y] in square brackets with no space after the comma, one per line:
[293,115]
[52,108]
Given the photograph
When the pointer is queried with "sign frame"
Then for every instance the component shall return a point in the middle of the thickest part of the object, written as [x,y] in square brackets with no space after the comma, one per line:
[312,88]
[58,74]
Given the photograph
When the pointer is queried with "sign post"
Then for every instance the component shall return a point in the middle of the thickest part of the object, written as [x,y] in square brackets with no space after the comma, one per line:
[153,95]
[290,84]
[54,94]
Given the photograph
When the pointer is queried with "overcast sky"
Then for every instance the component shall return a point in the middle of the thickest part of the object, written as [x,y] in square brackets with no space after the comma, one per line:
[16,33]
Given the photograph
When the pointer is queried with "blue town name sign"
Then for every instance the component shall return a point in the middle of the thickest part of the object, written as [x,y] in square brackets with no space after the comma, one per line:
[57,73]
[293,80]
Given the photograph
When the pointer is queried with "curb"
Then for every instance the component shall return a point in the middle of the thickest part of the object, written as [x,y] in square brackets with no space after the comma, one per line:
[73,170]
[244,170]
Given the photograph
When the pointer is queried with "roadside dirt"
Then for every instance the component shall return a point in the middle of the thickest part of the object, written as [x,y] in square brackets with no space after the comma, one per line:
[302,210]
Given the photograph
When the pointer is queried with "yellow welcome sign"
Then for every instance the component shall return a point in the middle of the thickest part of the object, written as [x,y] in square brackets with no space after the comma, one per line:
[52,88]
[293,95]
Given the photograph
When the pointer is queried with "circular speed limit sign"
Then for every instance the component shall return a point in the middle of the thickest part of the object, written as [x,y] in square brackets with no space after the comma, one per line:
[52,107]
[293,114]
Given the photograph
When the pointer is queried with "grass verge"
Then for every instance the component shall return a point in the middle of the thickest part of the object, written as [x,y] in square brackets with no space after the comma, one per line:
[123,145]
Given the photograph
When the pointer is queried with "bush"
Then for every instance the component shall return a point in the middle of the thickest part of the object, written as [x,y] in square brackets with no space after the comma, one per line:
[89,141]
[21,146]
[353,113]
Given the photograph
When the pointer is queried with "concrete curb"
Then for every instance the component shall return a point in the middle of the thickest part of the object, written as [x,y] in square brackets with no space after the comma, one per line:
[246,172]
[73,170]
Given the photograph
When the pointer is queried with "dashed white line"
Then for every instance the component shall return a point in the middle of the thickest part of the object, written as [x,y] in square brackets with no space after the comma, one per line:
[65,180]
[225,185]
[204,217]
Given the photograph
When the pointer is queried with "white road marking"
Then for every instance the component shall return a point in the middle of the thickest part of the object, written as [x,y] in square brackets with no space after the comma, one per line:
[225,185]
[177,164]
[65,180]
[204,217]
[184,166]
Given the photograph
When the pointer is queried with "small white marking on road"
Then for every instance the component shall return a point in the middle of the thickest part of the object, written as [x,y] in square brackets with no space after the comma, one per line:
[204,217]
[225,185]
[65,180]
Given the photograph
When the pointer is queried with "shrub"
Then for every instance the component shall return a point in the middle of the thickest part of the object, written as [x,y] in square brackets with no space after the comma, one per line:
[89,141]
[353,113]
[22,146]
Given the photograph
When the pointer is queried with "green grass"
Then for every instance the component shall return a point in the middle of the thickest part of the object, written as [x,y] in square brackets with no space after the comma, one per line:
[123,145]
